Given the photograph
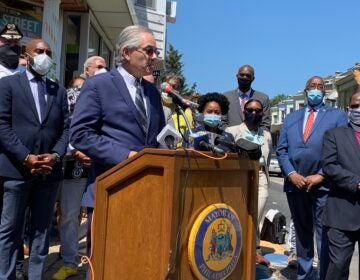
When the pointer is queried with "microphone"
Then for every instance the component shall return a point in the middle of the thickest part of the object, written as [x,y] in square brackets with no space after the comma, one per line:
[168,138]
[177,98]
[220,140]
[200,141]
[248,149]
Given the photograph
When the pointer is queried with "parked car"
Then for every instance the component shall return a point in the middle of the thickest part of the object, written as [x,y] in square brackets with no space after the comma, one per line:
[274,167]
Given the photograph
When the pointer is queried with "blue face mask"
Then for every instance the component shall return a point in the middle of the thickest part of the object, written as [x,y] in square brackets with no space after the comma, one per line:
[314,97]
[212,120]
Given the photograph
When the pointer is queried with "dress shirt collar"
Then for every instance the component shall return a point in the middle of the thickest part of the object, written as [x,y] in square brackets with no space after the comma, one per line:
[244,93]
[31,76]
[128,78]
[315,108]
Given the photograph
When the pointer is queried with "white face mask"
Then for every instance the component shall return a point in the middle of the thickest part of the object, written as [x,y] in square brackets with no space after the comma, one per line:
[42,64]
[102,70]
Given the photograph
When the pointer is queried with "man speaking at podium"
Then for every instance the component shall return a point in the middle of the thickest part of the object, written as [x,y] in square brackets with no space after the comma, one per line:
[118,113]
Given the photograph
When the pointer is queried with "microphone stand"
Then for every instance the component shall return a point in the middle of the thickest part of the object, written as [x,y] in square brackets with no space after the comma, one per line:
[179,111]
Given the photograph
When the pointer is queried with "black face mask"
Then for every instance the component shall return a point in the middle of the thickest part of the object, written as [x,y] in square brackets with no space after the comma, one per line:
[244,84]
[254,119]
[9,56]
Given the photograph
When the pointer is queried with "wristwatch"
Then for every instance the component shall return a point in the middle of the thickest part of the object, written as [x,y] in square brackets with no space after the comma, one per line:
[57,157]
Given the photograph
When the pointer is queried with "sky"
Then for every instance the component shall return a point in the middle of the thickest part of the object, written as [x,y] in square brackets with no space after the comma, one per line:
[286,41]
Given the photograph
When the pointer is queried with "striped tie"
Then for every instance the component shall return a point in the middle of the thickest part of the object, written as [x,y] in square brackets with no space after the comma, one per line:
[309,124]
[139,103]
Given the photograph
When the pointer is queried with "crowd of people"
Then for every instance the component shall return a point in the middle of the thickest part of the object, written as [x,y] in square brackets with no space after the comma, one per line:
[104,118]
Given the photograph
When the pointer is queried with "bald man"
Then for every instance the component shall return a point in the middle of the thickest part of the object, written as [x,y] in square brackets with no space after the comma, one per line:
[341,165]
[33,138]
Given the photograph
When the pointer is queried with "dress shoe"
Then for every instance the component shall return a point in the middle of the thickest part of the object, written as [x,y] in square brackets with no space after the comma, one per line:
[260,259]
[292,260]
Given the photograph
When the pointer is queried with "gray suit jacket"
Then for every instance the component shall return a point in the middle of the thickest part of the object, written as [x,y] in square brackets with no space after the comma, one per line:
[234,116]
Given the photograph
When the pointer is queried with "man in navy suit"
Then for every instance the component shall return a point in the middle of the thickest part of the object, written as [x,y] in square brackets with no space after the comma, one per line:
[118,113]
[341,165]
[299,155]
[33,137]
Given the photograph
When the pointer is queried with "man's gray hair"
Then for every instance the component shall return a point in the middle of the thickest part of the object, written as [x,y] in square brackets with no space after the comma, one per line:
[91,59]
[129,38]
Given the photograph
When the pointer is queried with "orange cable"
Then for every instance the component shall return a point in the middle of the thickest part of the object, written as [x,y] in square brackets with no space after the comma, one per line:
[86,259]
[205,155]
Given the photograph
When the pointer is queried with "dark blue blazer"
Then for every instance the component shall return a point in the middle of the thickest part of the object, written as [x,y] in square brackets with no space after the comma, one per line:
[106,124]
[341,165]
[21,131]
[305,158]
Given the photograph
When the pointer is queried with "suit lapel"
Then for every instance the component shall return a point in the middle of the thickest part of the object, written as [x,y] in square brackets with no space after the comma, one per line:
[349,133]
[51,91]
[123,90]
[25,84]
[237,104]
[301,123]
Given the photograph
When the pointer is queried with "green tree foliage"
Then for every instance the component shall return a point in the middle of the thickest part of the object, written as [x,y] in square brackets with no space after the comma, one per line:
[174,65]
[277,99]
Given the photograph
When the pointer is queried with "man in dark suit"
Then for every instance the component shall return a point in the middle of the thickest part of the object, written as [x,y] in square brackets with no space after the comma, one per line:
[299,155]
[341,165]
[33,137]
[239,96]
[118,113]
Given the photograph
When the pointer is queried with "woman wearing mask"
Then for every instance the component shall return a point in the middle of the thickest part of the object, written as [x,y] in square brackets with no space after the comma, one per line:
[250,129]
[212,107]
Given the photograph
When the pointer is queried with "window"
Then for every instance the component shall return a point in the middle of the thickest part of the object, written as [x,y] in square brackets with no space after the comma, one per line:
[146,3]
[106,54]
[94,42]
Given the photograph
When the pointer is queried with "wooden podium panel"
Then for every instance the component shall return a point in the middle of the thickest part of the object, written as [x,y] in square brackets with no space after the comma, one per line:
[145,203]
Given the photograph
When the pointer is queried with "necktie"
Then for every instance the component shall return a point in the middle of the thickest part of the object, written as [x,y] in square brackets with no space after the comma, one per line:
[41,96]
[309,125]
[139,103]
[242,103]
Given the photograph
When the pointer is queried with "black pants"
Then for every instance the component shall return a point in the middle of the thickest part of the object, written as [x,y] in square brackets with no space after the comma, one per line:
[341,250]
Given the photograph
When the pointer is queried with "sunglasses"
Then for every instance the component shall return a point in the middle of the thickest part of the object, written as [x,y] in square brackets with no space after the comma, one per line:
[251,110]
[355,106]
[150,51]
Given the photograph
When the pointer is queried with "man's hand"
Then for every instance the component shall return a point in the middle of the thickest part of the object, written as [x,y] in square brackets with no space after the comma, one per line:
[314,180]
[81,157]
[40,164]
[298,180]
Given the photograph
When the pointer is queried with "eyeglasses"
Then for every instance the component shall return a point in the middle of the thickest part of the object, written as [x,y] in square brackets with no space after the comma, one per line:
[150,51]
[355,106]
[100,67]
[41,51]
[251,110]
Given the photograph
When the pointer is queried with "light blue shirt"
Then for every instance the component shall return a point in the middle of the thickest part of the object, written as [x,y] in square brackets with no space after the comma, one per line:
[34,90]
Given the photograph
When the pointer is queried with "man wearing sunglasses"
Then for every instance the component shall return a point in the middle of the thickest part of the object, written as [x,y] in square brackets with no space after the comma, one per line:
[341,165]
[94,65]
[244,92]
[33,138]
[299,155]
[118,113]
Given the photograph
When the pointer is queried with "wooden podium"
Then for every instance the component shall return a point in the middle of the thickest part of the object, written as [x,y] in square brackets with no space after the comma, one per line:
[140,202]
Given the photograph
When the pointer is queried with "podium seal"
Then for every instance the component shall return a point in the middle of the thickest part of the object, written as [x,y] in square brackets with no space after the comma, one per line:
[215,242]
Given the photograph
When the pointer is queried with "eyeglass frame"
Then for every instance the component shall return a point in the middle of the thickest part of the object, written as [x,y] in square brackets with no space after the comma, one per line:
[149,51]
[251,110]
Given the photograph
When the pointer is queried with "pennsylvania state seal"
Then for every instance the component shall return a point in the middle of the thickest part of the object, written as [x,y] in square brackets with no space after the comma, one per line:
[215,242]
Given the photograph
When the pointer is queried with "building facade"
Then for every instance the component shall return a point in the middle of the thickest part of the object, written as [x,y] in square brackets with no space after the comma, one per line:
[77,29]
